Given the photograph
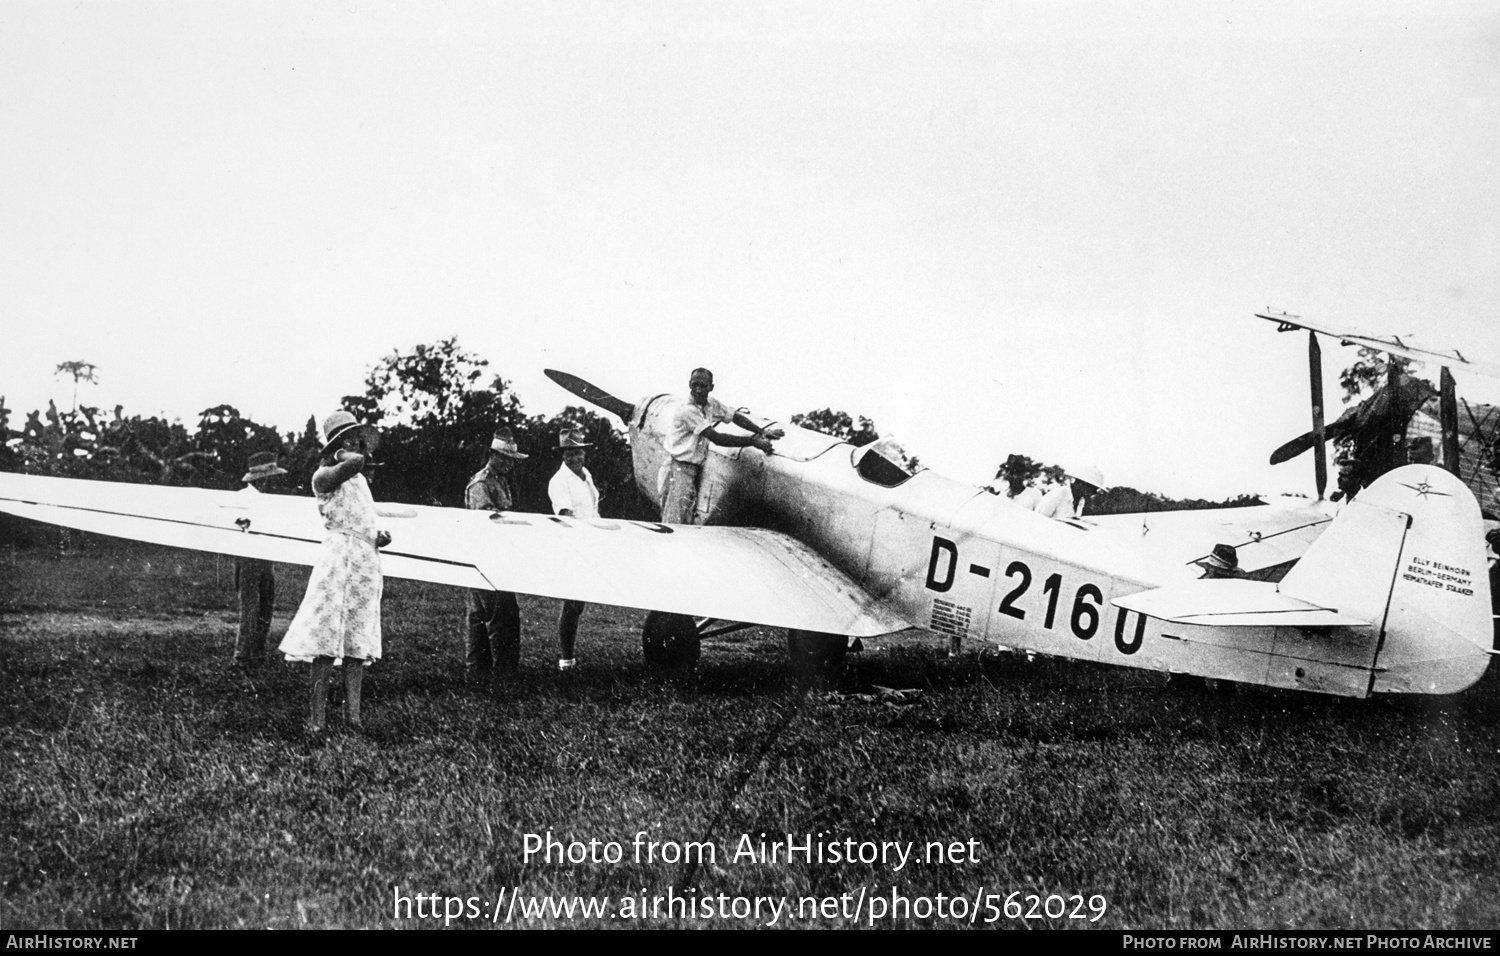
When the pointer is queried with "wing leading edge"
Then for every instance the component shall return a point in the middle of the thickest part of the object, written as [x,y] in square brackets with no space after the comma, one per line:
[1349,335]
[737,574]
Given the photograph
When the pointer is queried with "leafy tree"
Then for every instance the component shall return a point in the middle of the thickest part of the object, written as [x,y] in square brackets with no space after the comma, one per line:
[10,459]
[438,407]
[1018,469]
[81,443]
[427,384]
[437,421]
[229,439]
[838,424]
[302,458]
[149,450]
[84,444]
[1372,433]
[1368,373]
[60,443]
[1027,470]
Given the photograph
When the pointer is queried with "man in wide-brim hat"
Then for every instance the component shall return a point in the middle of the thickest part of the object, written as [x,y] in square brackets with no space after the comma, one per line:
[263,466]
[1222,562]
[492,638]
[255,579]
[574,495]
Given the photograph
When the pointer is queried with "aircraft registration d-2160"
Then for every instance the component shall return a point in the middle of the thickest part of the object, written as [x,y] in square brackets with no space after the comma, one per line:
[1391,596]
[835,542]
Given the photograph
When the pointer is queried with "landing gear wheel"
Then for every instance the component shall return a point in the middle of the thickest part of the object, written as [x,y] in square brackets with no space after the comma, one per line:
[816,654]
[670,641]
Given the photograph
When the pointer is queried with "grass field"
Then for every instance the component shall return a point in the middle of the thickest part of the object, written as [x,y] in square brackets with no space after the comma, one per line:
[146,783]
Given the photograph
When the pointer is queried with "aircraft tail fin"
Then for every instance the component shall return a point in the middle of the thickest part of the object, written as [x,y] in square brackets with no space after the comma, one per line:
[1407,555]
[1403,563]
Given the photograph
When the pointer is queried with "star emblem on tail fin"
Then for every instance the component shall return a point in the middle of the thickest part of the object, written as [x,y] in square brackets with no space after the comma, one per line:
[1424,489]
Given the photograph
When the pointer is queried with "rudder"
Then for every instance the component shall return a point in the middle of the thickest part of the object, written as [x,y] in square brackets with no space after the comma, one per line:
[1408,556]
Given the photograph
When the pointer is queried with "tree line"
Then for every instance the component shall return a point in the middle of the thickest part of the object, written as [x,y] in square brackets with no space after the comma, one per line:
[437,407]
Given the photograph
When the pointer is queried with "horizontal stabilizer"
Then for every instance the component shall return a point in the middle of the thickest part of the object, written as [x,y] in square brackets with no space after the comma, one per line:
[1264,536]
[1233,603]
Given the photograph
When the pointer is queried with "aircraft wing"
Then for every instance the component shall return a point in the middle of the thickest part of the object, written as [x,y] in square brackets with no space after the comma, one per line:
[1395,344]
[736,574]
[1263,536]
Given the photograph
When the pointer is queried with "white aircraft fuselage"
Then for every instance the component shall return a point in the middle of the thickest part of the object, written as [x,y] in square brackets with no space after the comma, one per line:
[1392,598]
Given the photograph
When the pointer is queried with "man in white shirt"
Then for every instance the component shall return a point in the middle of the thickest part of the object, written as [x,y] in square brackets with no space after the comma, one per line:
[574,495]
[1070,497]
[693,429]
[1028,497]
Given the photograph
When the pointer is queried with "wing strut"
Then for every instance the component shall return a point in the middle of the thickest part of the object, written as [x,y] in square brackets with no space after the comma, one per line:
[1315,377]
[1448,418]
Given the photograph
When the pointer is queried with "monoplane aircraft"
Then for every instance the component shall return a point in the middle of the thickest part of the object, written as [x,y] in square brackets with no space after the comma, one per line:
[836,543]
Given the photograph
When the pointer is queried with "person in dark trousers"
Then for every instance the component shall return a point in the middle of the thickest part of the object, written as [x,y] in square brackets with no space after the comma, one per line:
[574,495]
[492,641]
[253,578]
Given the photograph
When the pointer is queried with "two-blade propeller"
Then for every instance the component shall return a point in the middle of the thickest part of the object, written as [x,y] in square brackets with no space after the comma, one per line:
[592,394]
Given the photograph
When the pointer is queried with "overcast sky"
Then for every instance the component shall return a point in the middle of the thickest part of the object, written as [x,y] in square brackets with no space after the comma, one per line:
[992,227]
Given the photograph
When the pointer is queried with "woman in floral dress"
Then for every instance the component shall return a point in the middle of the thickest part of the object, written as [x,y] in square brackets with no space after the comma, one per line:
[339,617]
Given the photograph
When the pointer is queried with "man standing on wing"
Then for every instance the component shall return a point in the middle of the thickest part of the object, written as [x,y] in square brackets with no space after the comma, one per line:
[693,428]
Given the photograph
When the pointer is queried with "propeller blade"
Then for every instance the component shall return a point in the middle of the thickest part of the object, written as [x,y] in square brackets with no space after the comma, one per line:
[1293,448]
[1300,444]
[591,393]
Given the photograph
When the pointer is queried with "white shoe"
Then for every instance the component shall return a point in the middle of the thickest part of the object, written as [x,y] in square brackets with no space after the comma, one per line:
[566,665]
